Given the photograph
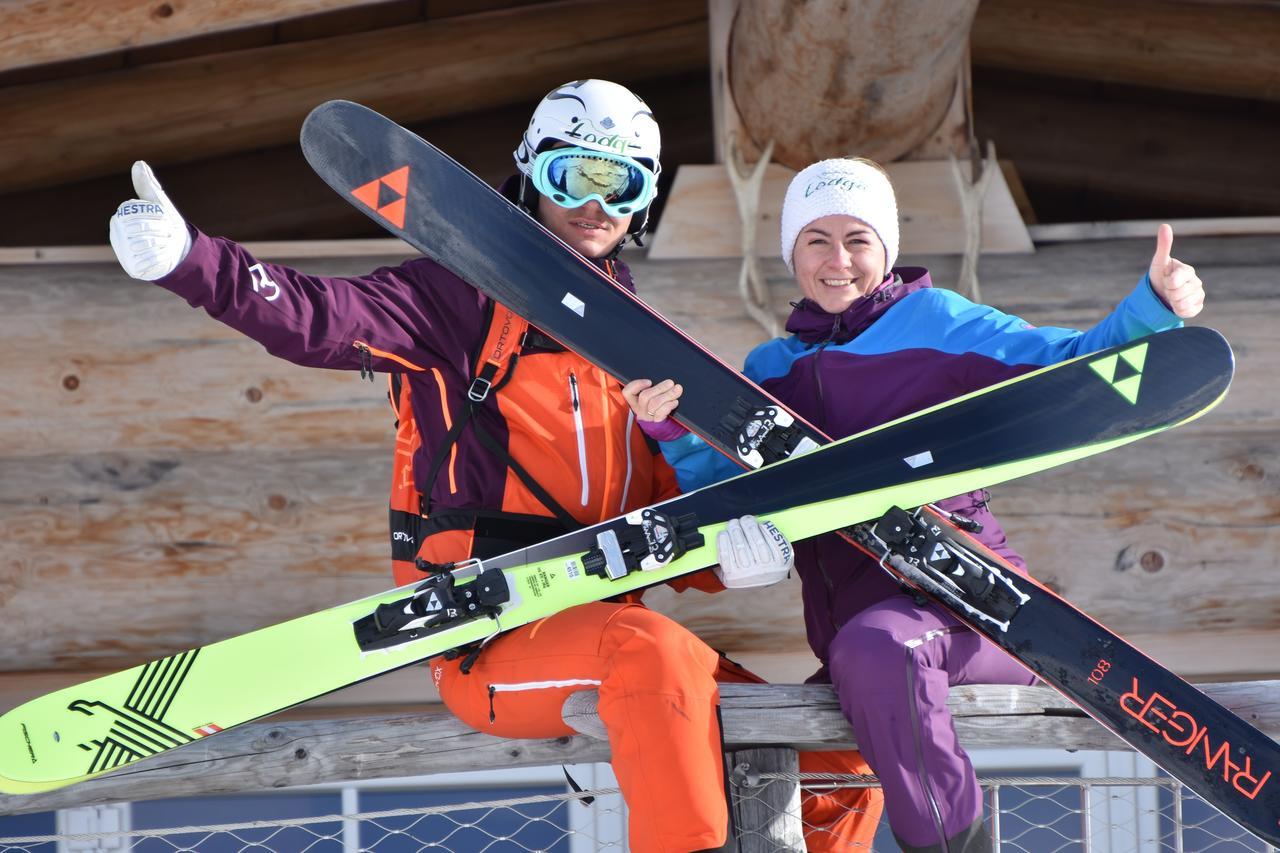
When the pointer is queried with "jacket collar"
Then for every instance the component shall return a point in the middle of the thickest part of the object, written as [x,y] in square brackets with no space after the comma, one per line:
[814,326]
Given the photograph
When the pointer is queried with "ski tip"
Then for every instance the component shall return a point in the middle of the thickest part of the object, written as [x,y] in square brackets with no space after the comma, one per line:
[24,787]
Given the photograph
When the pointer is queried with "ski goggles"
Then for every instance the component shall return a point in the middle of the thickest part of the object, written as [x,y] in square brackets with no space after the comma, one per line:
[571,177]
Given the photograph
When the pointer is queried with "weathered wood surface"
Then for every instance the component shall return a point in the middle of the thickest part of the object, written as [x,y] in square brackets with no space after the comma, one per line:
[766,812]
[258,97]
[39,31]
[803,75]
[1216,48]
[281,754]
[157,497]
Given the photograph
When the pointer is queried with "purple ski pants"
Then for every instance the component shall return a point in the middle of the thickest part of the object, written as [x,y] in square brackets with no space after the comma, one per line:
[892,666]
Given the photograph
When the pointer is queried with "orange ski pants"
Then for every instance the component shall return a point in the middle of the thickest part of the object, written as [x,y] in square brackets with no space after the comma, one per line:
[658,701]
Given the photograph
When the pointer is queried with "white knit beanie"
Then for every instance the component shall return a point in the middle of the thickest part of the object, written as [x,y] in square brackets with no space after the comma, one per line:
[851,187]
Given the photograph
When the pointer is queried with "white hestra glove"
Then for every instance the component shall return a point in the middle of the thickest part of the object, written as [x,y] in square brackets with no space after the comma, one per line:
[148,234]
[752,553]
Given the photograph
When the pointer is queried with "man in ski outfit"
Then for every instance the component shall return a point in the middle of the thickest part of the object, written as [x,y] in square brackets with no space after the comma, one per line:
[505,439]
[870,343]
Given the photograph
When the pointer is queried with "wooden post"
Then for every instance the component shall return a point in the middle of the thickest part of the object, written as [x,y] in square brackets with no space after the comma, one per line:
[764,787]
[795,75]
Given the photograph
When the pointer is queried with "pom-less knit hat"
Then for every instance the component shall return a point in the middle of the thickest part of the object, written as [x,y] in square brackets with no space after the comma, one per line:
[851,187]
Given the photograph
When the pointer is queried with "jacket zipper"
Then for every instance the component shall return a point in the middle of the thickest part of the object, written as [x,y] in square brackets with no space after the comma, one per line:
[366,359]
[582,437]
[626,482]
[366,364]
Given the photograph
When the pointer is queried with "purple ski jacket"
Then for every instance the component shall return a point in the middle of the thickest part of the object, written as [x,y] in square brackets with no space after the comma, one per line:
[573,431]
[903,348]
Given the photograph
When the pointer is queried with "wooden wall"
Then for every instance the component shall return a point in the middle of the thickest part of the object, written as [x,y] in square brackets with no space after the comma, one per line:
[1106,110]
[165,483]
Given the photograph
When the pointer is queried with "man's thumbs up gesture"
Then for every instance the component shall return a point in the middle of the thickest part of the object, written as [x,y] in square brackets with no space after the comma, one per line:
[148,234]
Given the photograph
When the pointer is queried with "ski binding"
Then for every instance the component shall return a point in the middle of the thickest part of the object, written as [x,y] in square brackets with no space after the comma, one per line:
[942,564]
[437,603]
[764,435]
[651,540]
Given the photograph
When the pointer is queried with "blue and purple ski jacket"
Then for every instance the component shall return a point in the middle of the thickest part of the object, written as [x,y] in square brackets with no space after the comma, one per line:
[903,348]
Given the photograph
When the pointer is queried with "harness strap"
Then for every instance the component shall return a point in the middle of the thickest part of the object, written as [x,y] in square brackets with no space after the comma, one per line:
[508,335]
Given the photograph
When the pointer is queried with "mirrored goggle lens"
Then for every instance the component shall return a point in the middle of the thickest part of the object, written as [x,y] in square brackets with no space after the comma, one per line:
[580,176]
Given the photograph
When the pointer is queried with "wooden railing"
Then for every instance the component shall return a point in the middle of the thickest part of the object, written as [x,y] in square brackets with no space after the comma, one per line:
[268,755]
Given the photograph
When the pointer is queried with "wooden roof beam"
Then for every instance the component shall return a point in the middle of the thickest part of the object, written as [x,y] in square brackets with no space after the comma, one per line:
[43,31]
[208,106]
[1213,48]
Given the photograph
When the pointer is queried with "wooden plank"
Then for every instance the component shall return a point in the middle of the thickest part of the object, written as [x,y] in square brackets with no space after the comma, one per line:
[381,247]
[1225,226]
[1228,49]
[257,98]
[286,250]
[701,220]
[42,31]
[272,755]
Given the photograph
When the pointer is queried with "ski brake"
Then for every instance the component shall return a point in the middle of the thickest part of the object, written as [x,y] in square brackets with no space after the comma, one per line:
[935,560]
[651,540]
[764,435]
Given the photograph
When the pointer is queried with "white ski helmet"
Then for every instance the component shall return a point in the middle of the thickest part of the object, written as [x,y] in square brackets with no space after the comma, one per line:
[597,115]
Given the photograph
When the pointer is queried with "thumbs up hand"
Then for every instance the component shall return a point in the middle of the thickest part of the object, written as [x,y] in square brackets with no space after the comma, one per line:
[1172,280]
[149,236]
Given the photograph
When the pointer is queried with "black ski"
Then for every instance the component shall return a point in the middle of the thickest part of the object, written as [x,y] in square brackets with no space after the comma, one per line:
[110,722]
[453,217]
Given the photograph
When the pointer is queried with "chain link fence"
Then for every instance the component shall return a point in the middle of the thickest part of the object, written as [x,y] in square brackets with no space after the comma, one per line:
[1035,814]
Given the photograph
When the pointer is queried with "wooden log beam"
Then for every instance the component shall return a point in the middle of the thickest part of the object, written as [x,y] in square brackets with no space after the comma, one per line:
[207,106]
[1125,152]
[40,31]
[234,514]
[171,551]
[261,756]
[210,193]
[1214,48]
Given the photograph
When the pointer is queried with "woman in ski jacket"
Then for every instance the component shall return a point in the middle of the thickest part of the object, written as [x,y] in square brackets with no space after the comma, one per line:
[504,438]
[870,343]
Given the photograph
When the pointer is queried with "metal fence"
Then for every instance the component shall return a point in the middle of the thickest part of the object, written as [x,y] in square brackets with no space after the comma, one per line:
[1137,814]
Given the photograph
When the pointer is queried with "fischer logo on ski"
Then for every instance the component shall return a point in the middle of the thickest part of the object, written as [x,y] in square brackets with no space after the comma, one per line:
[1123,371]
[386,196]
